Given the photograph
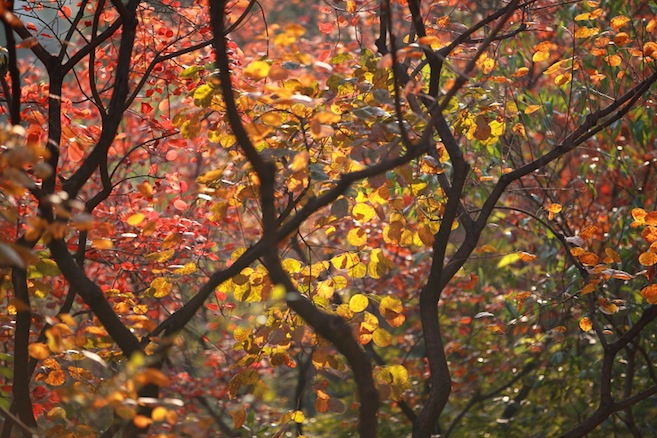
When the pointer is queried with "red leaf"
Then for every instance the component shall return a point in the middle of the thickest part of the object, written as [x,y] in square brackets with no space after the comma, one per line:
[326,28]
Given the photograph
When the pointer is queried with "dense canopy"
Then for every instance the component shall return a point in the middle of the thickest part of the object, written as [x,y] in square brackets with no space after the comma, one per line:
[335,218]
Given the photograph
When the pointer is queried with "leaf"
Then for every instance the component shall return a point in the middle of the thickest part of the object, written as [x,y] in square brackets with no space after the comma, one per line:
[613,60]
[55,377]
[135,219]
[532,109]
[300,161]
[298,417]
[586,32]
[588,258]
[507,260]
[358,303]
[618,22]
[554,208]
[161,287]
[541,55]
[648,258]
[381,337]
[38,350]
[239,416]
[47,267]
[649,293]
[363,212]
[526,257]
[585,324]
[487,249]
[257,70]
[357,237]
[563,79]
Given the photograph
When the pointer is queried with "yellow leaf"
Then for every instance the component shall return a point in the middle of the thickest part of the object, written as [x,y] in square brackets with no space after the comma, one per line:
[291,265]
[357,237]
[171,240]
[381,337]
[541,55]
[327,117]
[585,32]
[38,350]
[161,287]
[272,118]
[648,258]
[358,303]
[618,22]
[298,417]
[135,219]
[359,270]
[363,212]
[585,324]
[390,303]
[345,260]
[300,161]
[257,70]
[563,78]
[188,268]
[485,63]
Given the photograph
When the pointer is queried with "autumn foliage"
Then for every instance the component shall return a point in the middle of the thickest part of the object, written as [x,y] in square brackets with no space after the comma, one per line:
[393,218]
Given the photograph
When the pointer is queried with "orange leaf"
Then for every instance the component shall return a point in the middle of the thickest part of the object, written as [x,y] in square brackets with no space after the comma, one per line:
[526,257]
[649,293]
[648,258]
[55,377]
[618,22]
[639,214]
[588,232]
[554,208]
[39,350]
[588,258]
[585,324]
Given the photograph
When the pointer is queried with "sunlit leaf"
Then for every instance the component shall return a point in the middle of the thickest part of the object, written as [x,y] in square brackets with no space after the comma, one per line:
[649,293]
[358,303]
[586,32]
[357,237]
[585,324]
[648,258]
[38,350]
[363,212]
[257,70]
[161,287]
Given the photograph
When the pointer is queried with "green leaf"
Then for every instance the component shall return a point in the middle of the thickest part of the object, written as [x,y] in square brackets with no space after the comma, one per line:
[47,267]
